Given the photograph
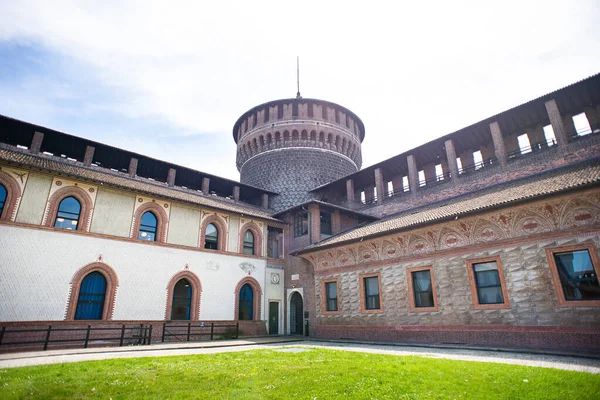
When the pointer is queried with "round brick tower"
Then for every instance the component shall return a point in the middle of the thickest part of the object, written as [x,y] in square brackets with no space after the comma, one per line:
[295,145]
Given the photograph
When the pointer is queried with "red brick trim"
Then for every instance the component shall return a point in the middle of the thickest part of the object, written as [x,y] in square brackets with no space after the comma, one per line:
[473,287]
[324,296]
[258,239]
[361,281]
[84,199]
[411,294]
[460,328]
[257,300]
[221,229]
[13,193]
[162,220]
[112,283]
[196,294]
[560,295]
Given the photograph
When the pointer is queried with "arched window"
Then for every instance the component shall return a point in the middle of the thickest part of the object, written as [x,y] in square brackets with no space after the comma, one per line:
[246,303]
[3,194]
[92,293]
[182,300]
[68,213]
[148,226]
[248,242]
[211,237]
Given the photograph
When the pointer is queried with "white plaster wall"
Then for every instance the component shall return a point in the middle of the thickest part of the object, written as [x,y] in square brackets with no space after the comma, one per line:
[35,196]
[184,226]
[113,212]
[36,267]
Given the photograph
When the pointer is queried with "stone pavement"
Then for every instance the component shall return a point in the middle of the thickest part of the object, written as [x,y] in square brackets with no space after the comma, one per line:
[286,343]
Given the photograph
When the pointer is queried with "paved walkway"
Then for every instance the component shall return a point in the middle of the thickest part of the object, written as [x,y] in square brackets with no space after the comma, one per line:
[291,343]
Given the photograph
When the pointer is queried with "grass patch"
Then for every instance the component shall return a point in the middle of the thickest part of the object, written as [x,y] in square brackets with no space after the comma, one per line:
[311,374]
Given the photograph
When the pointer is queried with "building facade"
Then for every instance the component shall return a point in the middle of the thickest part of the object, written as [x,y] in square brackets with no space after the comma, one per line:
[488,235]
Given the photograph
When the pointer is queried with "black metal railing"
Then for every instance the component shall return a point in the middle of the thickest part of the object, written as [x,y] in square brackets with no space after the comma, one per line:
[435,180]
[127,335]
[532,148]
[593,130]
[467,169]
[186,332]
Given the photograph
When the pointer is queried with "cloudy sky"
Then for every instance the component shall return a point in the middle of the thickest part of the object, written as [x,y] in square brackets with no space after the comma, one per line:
[169,79]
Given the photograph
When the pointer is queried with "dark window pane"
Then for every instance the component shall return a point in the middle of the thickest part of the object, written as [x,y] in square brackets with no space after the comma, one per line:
[211,237]
[67,216]
[372,293]
[92,292]
[325,223]
[331,293]
[248,243]
[577,275]
[182,300]
[487,281]
[3,195]
[301,224]
[422,289]
[148,226]
[246,303]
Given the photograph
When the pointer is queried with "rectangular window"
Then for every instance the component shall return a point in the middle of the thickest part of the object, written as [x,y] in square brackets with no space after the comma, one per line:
[310,110]
[421,288]
[574,271]
[325,223]
[301,224]
[370,293]
[331,298]
[486,278]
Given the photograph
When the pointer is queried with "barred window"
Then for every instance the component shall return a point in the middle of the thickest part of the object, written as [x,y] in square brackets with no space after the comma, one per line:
[371,286]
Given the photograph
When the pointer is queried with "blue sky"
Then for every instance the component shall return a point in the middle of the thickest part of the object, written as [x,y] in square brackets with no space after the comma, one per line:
[169,80]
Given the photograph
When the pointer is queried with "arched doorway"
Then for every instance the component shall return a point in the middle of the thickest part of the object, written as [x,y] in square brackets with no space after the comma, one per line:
[296,314]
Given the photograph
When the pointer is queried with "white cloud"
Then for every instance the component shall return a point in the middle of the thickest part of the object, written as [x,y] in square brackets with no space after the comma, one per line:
[412,71]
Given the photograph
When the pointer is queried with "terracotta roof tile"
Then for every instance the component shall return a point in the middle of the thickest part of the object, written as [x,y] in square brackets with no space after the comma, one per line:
[552,182]
[102,175]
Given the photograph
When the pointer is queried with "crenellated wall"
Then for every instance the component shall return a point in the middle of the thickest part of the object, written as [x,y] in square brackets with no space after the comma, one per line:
[295,145]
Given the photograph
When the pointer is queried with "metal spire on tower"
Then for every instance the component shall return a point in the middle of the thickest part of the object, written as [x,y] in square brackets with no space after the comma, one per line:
[298,76]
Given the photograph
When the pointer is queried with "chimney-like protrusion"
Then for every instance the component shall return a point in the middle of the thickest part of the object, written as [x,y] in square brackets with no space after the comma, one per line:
[133,164]
[36,142]
[236,193]
[265,201]
[88,158]
[205,185]
[171,177]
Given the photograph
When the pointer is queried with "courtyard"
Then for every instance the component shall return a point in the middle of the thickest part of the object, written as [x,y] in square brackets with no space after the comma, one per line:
[306,370]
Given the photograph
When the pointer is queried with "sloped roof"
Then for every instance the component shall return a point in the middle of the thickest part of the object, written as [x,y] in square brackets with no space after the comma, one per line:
[107,176]
[536,186]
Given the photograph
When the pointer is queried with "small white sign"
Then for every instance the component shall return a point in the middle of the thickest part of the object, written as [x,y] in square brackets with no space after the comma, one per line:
[296,277]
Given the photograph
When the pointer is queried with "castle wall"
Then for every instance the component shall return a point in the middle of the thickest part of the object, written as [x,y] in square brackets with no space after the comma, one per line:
[112,212]
[37,266]
[293,172]
[35,196]
[184,226]
[518,237]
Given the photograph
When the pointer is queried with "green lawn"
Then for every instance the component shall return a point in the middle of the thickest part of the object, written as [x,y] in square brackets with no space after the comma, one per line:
[310,374]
